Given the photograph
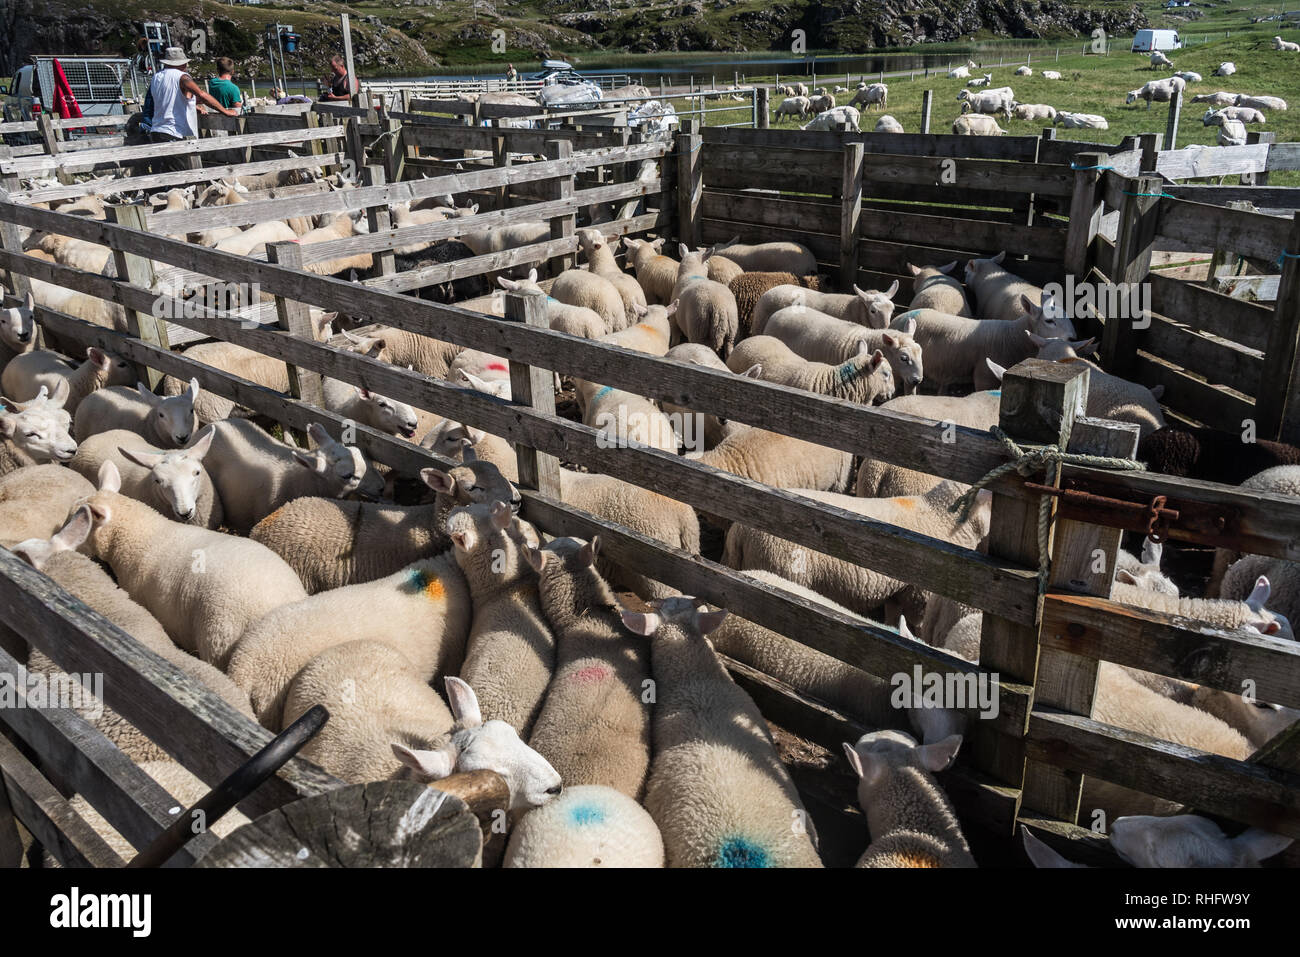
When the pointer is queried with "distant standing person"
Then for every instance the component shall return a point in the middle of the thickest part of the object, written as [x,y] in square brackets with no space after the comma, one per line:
[512,74]
[176,98]
[223,87]
[338,85]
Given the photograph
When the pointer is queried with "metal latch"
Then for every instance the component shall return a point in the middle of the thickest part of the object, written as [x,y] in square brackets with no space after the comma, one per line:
[1151,518]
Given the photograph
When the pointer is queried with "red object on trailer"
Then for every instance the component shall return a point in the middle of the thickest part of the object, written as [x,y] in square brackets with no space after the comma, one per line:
[65,103]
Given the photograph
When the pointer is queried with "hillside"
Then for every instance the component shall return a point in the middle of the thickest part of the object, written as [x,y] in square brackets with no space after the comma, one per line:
[416,36]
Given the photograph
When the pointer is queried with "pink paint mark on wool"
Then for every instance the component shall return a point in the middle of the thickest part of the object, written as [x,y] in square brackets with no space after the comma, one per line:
[591,674]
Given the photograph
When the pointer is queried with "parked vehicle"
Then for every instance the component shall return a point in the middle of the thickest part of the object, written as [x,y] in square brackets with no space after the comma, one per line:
[1148,40]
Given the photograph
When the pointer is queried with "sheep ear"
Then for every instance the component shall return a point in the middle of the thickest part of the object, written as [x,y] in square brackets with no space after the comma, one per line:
[1157,391]
[948,268]
[587,554]
[434,765]
[997,370]
[889,293]
[310,460]
[1259,844]
[1125,576]
[316,432]
[532,275]
[507,283]
[199,447]
[854,759]
[889,341]
[144,459]
[903,630]
[710,621]
[877,358]
[1259,597]
[98,357]
[1151,551]
[671,308]
[940,755]
[438,480]
[754,372]
[641,624]
[501,515]
[640,310]
[1040,855]
[914,270]
[683,250]
[1036,339]
[909,327]
[536,558]
[77,530]
[1027,304]
[464,703]
[110,479]
[61,393]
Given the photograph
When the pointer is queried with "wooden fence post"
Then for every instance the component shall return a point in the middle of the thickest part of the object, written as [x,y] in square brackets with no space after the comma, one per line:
[1137,229]
[1260,178]
[379,218]
[850,213]
[51,137]
[394,148]
[354,144]
[689,183]
[561,227]
[1038,406]
[927,100]
[1083,562]
[1149,144]
[534,387]
[1277,410]
[760,108]
[138,270]
[1171,122]
[1085,214]
[295,316]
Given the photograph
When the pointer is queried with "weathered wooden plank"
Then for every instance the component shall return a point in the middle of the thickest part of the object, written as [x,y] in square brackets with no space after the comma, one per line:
[1278,407]
[1281,197]
[1217,227]
[1218,362]
[1208,311]
[1216,406]
[886,171]
[1138,221]
[760,210]
[906,144]
[534,388]
[1212,161]
[980,237]
[793,170]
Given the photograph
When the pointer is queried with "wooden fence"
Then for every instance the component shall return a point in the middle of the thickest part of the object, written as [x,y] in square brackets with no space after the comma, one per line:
[1026,763]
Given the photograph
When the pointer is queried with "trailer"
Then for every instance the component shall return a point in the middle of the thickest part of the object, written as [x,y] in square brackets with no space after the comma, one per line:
[99,83]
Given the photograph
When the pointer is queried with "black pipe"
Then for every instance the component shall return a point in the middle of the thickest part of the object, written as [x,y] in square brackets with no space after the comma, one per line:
[245,779]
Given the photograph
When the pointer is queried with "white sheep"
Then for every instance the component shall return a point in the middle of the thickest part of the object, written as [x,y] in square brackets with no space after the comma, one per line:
[624,417]
[836,118]
[36,500]
[1226,68]
[959,73]
[25,374]
[1261,102]
[1188,840]
[424,354]
[717,790]
[1158,60]
[17,330]
[794,258]
[986,102]
[578,287]
[656,272]
[173,481]
[864,378]
[998,292]
[1189,76]
[204,587]
[1243,114]
[370,408]
[1024,71]
[912,822]
[1111,397]
[1080,121]
[821,338]
[167,421]
[887,124]
[34,432]
[1161,91]
[1287,45]
[253,241]
[588,825]
[706,310]
[1218,98]
[865,307]
[877,94]
[601,262]
[973,124]
[792,106]
[1033,111]
[1231,133]
[254,474]
[934,288]
[781,461]
[1051,75]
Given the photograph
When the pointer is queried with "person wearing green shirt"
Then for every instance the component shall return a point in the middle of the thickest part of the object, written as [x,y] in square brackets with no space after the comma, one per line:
[223,87]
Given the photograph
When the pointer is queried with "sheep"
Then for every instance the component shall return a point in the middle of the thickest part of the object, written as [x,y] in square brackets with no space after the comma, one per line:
[600,259]
[1143,571]
[172,481]
[331,543]
[1212,455]
[1243,114]
[650,334]
[17,330]
[254,474]
[865,378]
[1051,74]
[999,293]
[1161,91]
[1034,111]
[167,421]
[77,253]
[586,826]
[958,350]
[656,272]
[1260,102]
[342,226]
[880,479]
[510,656]
[625,417]
[717,790]
[856,588]
[912,821]
[934,288]
[25,374]
[1080,121]
[767,257]
[1024,71]
[253,241]
[1220,98]
[57,558]
[1188,840]
[594,725]
[578,287]
[791,106]
[749,288]
[887,124]
[838,118]
[1226,68]
[870,308]
[1188,76]
[810,672]
[821,338]
[34,434]
[1251,614]
[1258,721]
[706,310]
[1287,45]
[980,81]
[821,103]
[79,305]
[1158,60]
[204,587]
[424,354]
[781,461]
[973,124]
[960,73]
[1110,397]
[1231,133]
[987,102]
[877,94]
[421,611]
[723,270]
[36,500]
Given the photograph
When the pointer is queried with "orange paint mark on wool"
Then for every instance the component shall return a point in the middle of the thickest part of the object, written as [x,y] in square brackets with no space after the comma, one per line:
[427,582]
[907,504]
[916,859]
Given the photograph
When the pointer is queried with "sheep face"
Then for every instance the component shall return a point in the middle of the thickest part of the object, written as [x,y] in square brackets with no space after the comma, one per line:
[172,417]
[177,475]
[389,415]
[1048,319]
[18,326]
[879,305]
[40,430]
[1188,840]
[346,468]
[878,756]
[478,745]
[474,483]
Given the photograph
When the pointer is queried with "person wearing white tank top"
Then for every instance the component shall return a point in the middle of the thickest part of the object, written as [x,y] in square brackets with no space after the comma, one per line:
[176,98]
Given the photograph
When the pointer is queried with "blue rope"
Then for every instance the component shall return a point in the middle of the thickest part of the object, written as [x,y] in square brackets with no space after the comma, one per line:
[1072,166]
[1161,195]
[1286,255]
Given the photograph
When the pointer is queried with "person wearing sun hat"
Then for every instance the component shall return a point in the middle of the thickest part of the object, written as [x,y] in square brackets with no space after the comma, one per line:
[175,98]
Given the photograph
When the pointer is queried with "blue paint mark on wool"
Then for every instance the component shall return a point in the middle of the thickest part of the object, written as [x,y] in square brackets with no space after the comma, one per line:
[738,852]
[602,393]
[847,372]
[996,393]
[583,815]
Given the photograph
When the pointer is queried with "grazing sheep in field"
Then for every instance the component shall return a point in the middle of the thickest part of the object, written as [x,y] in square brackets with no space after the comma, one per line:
[877,94]
[987,101]
[1161,91]
[717,789]
[980,81]
[820,104]
[1033,111]
[1080,121]
[974,124]
[1158,60]
[1242,114]
[1189,76]
[1024,71]
[1226,68]
[1218,98]
[1051,75]
[1261,102]
[887,124]
[1287,45]
[792,106]
[844,118]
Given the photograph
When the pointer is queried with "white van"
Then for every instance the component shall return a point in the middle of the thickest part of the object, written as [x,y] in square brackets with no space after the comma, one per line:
[1148,40]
